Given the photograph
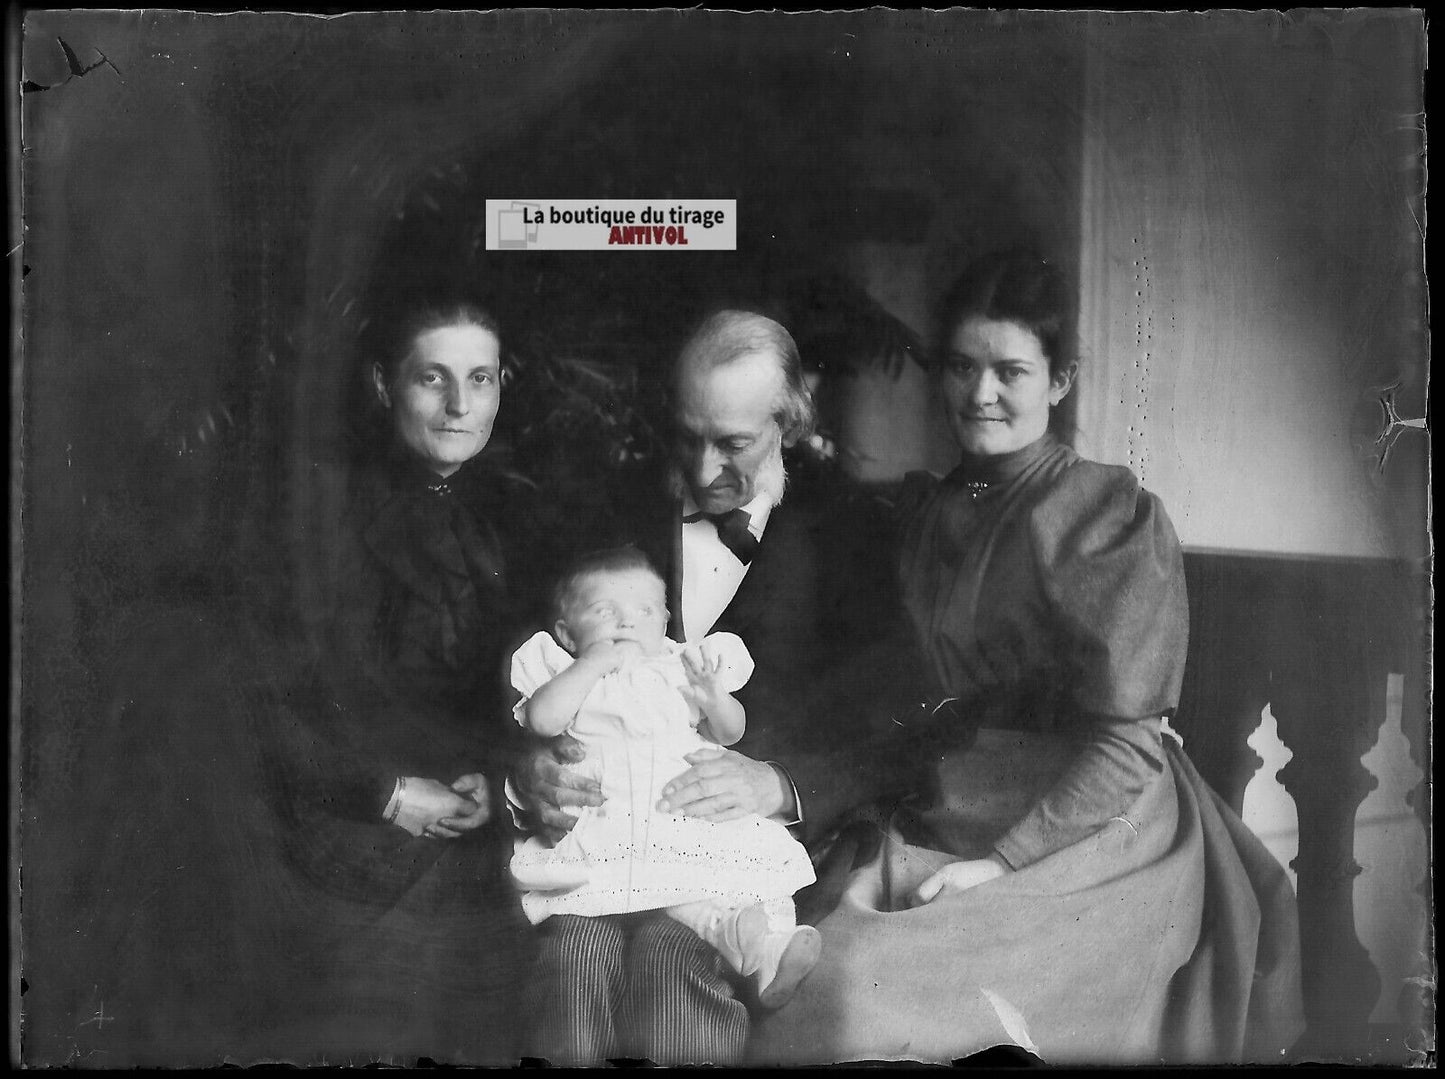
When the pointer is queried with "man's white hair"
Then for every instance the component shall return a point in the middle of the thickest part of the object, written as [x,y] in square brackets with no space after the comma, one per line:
[729,335]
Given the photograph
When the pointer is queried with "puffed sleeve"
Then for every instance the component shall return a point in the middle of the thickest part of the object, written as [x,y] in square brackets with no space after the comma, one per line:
[737,661]
[1112,573]
[534,664]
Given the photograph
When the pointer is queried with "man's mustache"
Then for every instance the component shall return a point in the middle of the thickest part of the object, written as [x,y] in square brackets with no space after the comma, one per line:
[771,478]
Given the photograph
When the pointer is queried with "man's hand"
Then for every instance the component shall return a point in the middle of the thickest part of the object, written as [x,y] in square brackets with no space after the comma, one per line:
[544,786]
[958,877]
[425,804]
[724,785]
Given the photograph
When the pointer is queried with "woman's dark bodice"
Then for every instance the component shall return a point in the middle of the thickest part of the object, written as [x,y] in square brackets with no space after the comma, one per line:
[410,661]
[423,600]
[1047,593]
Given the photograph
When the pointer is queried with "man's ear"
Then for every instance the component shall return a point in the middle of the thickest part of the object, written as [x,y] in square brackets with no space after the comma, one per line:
[1061,382]
[787,432]
[562,634]
[378,380]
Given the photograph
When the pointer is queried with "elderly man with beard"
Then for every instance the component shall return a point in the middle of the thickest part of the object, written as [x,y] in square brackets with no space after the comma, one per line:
[801,580]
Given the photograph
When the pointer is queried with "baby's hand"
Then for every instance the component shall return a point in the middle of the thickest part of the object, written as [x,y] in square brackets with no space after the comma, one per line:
[606,655]
[704,678]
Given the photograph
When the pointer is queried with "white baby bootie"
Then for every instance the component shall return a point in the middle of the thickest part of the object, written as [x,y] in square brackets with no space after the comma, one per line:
[777,959]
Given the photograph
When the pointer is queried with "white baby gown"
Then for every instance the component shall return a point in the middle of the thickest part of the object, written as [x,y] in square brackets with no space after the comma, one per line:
[626,855]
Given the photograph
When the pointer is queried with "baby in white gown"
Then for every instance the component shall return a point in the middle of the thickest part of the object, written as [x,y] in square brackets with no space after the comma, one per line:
[639,702]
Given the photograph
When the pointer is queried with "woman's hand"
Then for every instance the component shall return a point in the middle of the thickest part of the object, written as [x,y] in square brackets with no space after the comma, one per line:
[545,786]
[426,803]
[958,877]
[473,785]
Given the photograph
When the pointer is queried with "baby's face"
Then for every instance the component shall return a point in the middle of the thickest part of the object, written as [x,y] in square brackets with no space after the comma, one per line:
[628,608]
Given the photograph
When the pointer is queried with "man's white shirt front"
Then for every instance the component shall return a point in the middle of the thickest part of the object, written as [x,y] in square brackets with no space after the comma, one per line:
[711,577]
[712,574]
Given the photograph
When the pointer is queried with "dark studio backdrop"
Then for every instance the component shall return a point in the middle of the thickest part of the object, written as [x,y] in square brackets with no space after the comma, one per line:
[222,213]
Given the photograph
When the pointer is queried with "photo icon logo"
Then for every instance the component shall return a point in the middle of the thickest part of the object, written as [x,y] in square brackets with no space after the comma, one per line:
[514,230]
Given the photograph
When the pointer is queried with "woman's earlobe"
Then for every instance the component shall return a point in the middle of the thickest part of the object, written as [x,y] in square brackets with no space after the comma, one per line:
[1063,382]
[378,380]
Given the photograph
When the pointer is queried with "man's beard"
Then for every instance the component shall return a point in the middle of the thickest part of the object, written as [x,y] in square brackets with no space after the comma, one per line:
[770,482]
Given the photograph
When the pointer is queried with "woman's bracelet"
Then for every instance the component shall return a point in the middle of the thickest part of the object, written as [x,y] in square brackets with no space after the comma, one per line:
[394,806]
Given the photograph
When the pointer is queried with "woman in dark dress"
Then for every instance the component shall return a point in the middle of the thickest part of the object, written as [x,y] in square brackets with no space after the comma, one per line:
[1076,888]
[395,777]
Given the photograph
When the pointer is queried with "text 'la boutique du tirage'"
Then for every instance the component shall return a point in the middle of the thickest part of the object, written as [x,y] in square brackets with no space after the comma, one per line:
[654,225]
[578,225]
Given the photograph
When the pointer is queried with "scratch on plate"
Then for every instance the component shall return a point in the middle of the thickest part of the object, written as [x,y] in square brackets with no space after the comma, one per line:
[1127,821]
[74,69]
[1012,1020]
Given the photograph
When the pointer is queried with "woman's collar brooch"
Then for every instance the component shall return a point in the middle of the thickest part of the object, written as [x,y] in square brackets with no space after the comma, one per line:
[976,488]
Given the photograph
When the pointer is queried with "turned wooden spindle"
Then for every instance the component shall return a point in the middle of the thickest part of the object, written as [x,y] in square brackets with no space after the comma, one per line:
[1323,671]
[1392,847]
[1269,811]
[1226,679]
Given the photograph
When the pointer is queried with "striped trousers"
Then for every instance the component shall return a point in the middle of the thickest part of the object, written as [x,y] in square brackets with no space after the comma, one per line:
[638,986]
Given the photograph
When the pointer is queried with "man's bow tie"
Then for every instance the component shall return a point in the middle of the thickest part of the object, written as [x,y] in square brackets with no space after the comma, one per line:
[732,529]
